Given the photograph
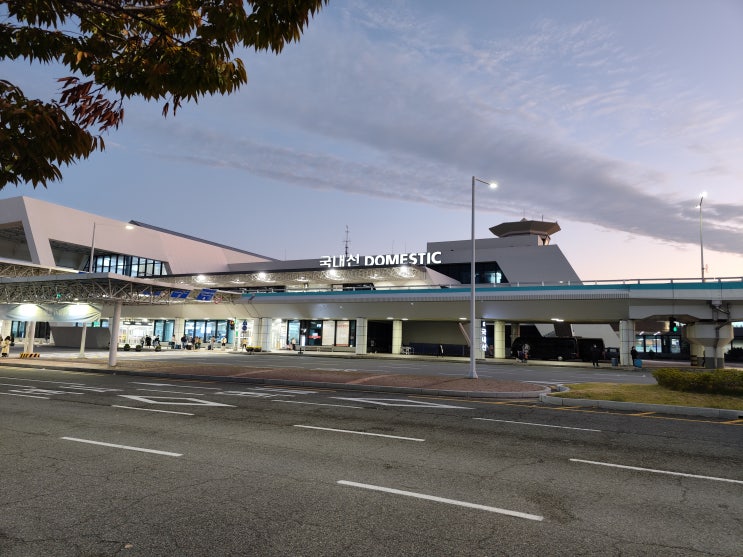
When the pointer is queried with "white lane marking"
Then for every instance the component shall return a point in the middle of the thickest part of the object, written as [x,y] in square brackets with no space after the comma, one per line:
[654,471]
[26,396]
[535,424]
[62,384]
[178,401]
[285,390]
[45,381]
[320,404]
[151,410]
[360,433]
[127,447]
[35,391]
[251,394]
[169,385]
[517,514]
[170,392]
[401,402]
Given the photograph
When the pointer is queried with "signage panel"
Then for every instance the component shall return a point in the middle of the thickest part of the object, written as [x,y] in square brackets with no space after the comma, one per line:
[388,260]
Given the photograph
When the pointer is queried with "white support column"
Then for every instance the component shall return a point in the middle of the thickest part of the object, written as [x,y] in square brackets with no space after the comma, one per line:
[697,351]
[113,342]
[499,339]
[28,342]
[396,336]
[178,329]
[714,338]
[265,334]
[626,341]
[254,327]
[83,335]
[361,335]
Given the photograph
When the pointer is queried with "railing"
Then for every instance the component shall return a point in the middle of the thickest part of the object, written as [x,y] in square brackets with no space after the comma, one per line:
[708,283]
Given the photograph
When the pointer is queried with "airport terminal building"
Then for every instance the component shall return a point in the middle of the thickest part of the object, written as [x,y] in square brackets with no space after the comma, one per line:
[65,271]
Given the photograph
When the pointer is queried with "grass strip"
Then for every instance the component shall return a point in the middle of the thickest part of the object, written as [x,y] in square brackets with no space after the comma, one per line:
[650,394]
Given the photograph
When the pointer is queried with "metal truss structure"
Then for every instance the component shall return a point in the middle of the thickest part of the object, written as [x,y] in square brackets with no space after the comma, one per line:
[95,289]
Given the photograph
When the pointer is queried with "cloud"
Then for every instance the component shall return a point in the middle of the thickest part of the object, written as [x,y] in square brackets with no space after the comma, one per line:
[387,102]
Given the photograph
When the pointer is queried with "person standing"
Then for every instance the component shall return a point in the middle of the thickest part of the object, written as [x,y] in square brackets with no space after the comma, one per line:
[6,347]
[633,355]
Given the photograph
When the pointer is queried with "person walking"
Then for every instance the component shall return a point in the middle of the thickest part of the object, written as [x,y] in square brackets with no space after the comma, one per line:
[6,347]
[595,355]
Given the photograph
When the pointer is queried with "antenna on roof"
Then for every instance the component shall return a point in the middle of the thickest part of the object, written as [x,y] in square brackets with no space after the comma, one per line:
[346,241]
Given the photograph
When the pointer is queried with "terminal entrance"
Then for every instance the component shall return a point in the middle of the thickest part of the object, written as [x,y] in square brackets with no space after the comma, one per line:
[379,337]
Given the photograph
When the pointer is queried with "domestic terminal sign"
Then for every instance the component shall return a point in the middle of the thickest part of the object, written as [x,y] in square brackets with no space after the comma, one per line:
[387,260]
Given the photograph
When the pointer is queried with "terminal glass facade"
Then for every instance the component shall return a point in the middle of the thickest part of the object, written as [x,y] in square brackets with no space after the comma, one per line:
[128,265]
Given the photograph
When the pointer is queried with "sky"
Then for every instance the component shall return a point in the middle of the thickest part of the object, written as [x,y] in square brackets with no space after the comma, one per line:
[610,118]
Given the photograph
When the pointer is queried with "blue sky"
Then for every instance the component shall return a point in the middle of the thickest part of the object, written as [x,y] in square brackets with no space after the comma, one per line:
[608,117]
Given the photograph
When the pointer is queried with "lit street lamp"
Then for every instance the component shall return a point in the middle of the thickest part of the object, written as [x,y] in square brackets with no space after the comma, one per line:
[701,242]
[473,370]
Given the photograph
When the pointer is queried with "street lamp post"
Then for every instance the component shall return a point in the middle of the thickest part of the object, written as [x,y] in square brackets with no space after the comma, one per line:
[92,242]
[473,328]
[701,242]
[92,250]
[113,345]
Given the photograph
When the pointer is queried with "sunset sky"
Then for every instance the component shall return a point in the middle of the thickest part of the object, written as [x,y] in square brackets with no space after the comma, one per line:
[608,117]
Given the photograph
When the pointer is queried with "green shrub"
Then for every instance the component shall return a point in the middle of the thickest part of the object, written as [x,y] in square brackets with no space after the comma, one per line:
[719,381]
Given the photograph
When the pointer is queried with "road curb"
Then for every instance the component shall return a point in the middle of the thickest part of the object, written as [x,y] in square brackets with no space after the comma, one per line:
[642,407]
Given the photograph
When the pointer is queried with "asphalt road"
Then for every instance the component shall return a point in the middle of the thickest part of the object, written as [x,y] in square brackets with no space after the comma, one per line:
[533,372]
[536,371]
[116,465]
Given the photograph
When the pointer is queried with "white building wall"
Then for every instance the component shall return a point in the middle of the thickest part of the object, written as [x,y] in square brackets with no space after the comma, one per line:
[43,222]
